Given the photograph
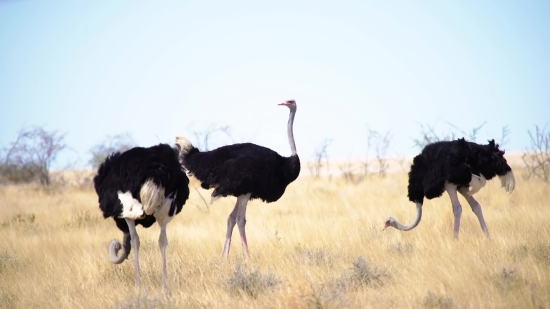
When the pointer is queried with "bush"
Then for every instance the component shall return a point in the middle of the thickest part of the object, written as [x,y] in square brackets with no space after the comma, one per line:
[111,144]
[31,155]
[26,220]
[362,274]
[251,283]
[537,157]
[438,301]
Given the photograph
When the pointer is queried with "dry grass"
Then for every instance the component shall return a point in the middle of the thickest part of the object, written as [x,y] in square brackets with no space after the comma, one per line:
[320,246]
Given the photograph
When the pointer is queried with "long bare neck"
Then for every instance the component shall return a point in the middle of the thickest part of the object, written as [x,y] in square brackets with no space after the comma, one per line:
[411,226]
[290,131]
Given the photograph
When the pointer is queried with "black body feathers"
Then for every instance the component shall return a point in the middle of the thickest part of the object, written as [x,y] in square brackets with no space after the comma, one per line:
[243,168]
[129,170]
[455,162]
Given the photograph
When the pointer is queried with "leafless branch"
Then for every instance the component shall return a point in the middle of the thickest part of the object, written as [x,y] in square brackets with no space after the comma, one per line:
[111,144]
[321,159]
[31,154]
[203,137]
[537,157]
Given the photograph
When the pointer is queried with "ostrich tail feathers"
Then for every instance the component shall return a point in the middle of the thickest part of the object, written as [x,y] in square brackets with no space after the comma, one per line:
[151,196]
[184,145]
[476,184]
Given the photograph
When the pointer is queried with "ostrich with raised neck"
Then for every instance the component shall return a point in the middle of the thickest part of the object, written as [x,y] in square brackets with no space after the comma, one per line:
[455,166]
[246,171]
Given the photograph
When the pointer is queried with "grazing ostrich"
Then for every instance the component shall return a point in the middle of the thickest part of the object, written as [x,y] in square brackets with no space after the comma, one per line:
[246,171]
[455,166]
[141,186]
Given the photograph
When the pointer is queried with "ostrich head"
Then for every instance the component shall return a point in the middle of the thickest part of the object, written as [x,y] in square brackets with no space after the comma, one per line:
[501,167]
[491,162]
[290,104]
[497,157]
[390,221]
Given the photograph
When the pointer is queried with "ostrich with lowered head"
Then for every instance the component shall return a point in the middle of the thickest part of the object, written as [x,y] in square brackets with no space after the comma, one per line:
[246,171]
[455,166]
[141,186]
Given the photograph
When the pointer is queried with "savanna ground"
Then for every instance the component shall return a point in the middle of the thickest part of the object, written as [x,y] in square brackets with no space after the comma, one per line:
[320,246]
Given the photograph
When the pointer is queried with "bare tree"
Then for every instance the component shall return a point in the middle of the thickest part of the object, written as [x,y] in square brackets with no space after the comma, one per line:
[381,144]
[111,144]
[30,156]
[472,135]
[429,135]
[349,174]
[321,159]
[537,157]
[203,137]
[504,136]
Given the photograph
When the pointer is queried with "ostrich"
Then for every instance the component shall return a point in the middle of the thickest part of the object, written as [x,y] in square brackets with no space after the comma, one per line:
[141,186]
[246,171]
[455,166]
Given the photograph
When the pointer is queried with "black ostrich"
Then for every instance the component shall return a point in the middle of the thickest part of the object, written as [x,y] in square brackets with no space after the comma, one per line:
[141,186]
[455,166]
[246,171]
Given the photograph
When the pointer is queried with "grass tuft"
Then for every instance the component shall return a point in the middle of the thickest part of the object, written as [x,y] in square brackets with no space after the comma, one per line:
[146,301]
[82,219]
[20,220]
[437,301]
[8,261]
[362,274]
[325,296]
[250,282]
[541,252]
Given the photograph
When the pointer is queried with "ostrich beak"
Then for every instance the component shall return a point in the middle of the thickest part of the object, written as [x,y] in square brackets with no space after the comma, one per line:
[385,226]
[283,104]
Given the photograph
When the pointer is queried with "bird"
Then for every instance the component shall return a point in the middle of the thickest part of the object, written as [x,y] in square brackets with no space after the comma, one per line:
[141,186]
[457,166]
[244,170]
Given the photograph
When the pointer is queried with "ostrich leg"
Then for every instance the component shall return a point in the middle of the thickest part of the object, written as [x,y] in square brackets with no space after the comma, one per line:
[457,208]
[231,221]
[163,243]
[237,216]
[241,221]
[476,208]
[135,246]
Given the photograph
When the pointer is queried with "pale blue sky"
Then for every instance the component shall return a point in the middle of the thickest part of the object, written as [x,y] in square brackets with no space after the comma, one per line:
[157,69]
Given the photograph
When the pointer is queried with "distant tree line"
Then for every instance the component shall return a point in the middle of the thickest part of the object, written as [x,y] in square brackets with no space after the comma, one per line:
[29,158]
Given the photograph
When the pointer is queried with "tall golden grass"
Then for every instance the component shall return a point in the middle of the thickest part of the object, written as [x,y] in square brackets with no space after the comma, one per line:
[53,251]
